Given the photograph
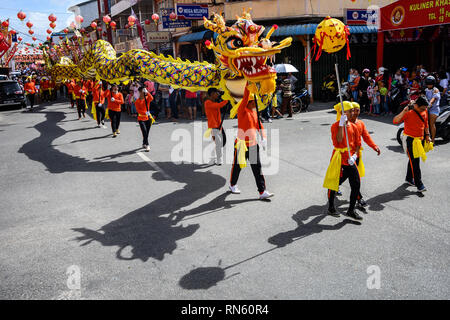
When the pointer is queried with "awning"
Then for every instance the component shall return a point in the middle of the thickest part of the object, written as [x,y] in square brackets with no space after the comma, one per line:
[197,36]
[310,28]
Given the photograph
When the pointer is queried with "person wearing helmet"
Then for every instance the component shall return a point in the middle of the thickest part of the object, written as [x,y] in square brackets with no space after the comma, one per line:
[434,98]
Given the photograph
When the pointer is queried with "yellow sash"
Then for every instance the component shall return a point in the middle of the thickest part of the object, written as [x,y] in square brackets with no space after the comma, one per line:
[207,133]
[334,170]
[107,113]
[241,147]
[85,103]
[361,168]
[419,151]
[94,111]
[151,117]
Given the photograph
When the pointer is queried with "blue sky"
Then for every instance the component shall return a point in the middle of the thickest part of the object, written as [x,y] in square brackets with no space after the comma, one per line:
[37,12]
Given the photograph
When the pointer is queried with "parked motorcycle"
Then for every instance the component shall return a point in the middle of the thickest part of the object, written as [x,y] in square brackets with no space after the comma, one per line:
[328,89]
[395,96]
[300,101]
[346,96]
[442,126]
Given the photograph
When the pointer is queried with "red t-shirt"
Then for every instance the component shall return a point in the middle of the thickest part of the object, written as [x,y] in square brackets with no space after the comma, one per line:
[141,107]
[118,101]
[365,134]
[212,110]
[354,140]
[190,95]
[77,90]
[414,126]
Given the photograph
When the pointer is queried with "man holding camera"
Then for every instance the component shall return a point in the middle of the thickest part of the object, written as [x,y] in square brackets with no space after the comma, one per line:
[415,117]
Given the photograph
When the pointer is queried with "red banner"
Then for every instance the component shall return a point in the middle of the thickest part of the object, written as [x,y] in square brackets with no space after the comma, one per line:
[405,14]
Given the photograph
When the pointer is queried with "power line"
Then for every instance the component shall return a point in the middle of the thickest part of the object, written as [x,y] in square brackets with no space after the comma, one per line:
[32,11]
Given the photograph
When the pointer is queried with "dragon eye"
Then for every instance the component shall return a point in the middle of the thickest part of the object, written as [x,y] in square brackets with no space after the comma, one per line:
[234,43]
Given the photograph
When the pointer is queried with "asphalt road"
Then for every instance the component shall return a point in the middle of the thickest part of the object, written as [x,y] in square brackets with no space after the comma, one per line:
[137,225]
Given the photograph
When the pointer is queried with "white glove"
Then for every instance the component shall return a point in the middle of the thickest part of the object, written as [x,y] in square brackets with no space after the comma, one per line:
[112,99]
[148,113]
[82,91]
[109,86]
[99,104]
[145,91]
[343,120]
[263,144]
[352,159]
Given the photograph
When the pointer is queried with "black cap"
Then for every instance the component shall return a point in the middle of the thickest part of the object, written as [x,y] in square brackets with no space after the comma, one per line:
[422,101]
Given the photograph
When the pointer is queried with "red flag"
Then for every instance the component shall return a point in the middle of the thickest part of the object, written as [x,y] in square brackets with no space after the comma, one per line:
[140,31]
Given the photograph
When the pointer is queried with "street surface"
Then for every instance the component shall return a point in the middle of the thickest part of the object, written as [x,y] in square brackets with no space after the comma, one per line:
[138,226]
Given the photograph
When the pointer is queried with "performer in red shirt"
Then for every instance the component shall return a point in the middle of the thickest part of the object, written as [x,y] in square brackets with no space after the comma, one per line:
[212,111]
[145,118]
[98,97]
[115,101]
[341,165]
[30,91]
[362,130]
[80,94]
[246,146]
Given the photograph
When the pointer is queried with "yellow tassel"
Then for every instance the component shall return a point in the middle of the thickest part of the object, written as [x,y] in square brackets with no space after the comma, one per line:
[241,147]
[333,174]
[94,111]
[107,114]
[428,146]
[207,133]
[361,167]
[85,103]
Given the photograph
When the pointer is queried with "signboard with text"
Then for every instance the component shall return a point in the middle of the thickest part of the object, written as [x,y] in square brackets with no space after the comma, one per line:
[405,14]
[192,11]
[358,16]
[160,36]
[172,24]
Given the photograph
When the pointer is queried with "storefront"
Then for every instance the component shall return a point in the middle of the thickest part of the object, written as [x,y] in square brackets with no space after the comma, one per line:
[414,32]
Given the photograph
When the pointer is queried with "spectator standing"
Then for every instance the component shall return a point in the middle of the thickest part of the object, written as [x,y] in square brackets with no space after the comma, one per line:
[362,88]
[286,88]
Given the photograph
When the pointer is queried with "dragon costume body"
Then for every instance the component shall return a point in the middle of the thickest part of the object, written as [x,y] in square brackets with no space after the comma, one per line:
[241,55]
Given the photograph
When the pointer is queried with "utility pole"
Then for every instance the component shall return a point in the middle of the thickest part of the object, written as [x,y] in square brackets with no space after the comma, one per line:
[105,4]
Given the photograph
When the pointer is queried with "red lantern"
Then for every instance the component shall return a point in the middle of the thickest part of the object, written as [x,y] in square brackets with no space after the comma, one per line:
[127,26]
[113,24]
[49,31]
[173,16]
[53,25]
[13,32]
[60,37]
[40,44]
[28,44]
[99,29]
[147,22]
[104,34]
[94,25]
[49,38]
[30,31]
[155,18]
[79,19]
[5,24]
[19,38]
[66,31]
[52,18]
[34,38]
[29,24]
[131,20]
[106,20]
[21,16]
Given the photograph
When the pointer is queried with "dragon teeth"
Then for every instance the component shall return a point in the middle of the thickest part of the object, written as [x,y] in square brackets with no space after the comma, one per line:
[253,70]
[254,60]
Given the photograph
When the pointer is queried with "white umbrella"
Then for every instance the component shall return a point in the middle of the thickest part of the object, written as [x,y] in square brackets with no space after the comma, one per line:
[285,68]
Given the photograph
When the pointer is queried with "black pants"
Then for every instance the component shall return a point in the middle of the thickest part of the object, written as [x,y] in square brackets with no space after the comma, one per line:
[364,102]
[31,100]
[115,119]
[89,99]
[81,107]
[413,172]
[252,154]
[350,172]
[145,128]
[46,95]
[100,113]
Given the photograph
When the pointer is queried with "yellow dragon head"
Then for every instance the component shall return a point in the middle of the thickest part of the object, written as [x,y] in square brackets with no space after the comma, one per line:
[242,54]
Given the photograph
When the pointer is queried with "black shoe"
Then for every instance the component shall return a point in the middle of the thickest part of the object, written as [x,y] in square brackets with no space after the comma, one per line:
[362,203]
[410,182]
[339,193]
[354,215]
[333,212]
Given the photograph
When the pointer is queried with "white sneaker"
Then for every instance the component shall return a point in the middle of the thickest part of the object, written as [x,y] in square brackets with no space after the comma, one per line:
[103,126]
[234,189]
[147,148]
[265,195]
[219,162]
